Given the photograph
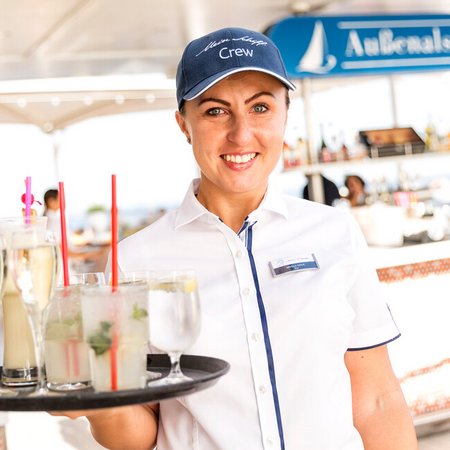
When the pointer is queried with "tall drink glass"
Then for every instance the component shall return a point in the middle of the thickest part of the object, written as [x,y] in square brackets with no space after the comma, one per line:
[141,276]
[19,359]
[66,355]
[115,327]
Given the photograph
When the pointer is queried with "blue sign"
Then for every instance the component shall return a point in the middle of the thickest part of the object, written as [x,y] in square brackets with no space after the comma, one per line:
[316,46]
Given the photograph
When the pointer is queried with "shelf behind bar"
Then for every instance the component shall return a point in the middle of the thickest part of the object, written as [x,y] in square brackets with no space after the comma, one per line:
[308,169]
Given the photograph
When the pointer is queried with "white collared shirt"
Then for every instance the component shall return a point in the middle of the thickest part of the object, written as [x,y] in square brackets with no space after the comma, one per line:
[285,337]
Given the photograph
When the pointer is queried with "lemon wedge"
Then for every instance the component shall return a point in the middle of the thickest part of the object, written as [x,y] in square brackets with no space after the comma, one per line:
[186,285]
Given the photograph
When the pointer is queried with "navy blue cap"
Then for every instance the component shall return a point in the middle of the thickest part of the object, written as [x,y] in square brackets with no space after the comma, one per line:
[210,58]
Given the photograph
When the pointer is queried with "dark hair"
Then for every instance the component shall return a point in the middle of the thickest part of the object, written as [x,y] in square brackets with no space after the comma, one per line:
[51,193]
[363,183]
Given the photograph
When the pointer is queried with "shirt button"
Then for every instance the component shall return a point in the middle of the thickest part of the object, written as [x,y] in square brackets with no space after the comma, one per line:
[246,291]
[238,254]
[255,337]
[262,389]
[269,440]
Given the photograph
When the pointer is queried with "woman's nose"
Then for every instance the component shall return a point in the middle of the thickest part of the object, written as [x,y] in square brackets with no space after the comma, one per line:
[240,131]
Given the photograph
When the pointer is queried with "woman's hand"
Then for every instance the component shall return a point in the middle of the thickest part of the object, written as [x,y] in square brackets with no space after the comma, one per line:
[120,428]
[81,413]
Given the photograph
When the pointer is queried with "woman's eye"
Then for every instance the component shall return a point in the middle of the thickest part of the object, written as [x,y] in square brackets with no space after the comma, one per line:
[214,111]
[260,108]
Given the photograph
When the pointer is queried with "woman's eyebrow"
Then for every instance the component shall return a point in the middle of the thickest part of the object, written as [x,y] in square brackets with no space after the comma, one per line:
[225,103]
[258,94]
[213,99]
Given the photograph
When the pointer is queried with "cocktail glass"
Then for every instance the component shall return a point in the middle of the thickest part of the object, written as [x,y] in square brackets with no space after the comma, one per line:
[19,360]
[115,327]
[34,257]
[174,317]
[66,355]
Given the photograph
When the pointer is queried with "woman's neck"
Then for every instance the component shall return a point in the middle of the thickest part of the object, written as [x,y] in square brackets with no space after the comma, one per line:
[233,208]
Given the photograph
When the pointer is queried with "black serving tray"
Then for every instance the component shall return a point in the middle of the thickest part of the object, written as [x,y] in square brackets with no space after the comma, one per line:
[203,370]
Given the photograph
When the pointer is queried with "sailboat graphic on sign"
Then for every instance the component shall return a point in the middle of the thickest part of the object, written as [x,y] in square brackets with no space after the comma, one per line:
[316,58]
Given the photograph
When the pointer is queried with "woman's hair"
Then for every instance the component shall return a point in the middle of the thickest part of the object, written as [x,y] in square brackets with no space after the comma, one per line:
[50,194]
[363,183]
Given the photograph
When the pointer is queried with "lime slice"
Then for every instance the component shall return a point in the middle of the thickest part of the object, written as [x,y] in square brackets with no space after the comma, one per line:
[186,285]
[190,285]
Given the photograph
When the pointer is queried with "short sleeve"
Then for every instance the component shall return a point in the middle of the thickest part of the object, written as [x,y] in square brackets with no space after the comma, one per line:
[373,324]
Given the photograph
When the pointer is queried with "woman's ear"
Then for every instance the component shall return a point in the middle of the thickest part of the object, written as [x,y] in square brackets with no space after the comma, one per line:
[182,124]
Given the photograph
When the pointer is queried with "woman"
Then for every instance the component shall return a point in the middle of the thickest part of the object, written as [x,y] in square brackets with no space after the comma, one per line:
[356,190]
[51,211]
[288,297]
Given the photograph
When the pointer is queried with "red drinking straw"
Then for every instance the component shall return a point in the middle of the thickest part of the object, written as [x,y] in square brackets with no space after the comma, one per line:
[64,249]
[114,282]
[27,198]
[114,235]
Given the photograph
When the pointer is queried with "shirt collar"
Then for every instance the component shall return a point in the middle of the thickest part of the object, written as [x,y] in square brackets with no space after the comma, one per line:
[191,209]
[273,202]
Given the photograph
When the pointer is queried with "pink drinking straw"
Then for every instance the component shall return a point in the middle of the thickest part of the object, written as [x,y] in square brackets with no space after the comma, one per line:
[114,282]
[27,199]
[64,248]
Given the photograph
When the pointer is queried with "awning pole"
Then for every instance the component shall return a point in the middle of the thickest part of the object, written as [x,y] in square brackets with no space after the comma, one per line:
[393,96]
[316,191]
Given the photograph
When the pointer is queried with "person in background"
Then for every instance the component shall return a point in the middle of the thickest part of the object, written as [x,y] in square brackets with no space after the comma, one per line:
[356,190]
[288,296]
[51,211]
[330,190]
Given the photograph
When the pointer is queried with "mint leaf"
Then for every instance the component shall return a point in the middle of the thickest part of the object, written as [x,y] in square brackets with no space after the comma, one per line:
[139,313]
[101,341]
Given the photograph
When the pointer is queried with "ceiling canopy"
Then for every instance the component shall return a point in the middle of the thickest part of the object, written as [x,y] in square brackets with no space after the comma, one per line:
[80,40]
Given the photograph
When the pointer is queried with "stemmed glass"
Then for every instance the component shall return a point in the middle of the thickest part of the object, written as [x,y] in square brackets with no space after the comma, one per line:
[34,256]
[174,317]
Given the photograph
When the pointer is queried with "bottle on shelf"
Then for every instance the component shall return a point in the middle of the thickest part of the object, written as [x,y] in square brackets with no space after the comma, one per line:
[430,136]
[324,151]
[343,153]
[294,155]
[383,191]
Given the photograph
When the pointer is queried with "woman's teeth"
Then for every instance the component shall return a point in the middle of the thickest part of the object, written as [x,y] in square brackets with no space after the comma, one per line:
[239,158]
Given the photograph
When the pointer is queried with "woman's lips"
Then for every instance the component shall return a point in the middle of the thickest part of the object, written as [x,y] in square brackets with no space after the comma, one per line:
[239,158]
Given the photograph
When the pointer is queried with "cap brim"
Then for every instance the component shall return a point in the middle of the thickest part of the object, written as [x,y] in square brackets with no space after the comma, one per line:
[211,81]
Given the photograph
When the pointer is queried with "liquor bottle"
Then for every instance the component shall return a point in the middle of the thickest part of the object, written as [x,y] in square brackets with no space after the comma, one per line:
[324,151]
[430,136]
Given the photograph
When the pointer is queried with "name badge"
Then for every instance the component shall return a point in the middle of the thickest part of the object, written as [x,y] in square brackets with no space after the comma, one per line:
[281,266]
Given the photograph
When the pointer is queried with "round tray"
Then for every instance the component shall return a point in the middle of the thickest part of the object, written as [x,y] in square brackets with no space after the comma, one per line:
[203,370]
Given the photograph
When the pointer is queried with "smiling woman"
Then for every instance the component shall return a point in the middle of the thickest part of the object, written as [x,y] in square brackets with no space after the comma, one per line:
[287,293]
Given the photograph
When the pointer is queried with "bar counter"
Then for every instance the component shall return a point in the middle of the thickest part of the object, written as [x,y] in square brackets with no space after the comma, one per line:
[416,283]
